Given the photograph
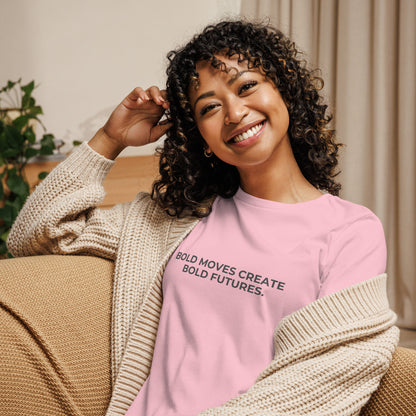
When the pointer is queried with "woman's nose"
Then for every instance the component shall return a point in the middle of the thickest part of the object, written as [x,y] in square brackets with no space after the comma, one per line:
[235,111]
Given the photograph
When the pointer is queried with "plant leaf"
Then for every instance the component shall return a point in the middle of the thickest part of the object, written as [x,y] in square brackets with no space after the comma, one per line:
[30,135]
[18,185]
[4,234]
[9,153]
[47,144]
[3,247]
[10,85]
[13,136]
[20,121]
[43,175]
[16,204]
[35,110]
[31,152]
[3,141]
[8,214]
[28,101]
[28,88]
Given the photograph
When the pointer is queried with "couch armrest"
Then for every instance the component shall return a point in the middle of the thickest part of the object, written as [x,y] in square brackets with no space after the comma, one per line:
[396,395]
[55,316]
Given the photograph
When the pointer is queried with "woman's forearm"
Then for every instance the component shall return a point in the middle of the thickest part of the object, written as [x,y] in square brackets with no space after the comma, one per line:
[61,215]
[105,145]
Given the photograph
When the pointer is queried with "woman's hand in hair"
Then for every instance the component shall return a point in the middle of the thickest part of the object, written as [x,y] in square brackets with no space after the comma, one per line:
[134,122]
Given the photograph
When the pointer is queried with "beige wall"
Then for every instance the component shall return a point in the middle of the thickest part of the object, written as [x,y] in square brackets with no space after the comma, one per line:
[87,54]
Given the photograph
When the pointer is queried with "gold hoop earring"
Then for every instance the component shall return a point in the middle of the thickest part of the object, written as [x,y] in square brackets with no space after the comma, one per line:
[207,154]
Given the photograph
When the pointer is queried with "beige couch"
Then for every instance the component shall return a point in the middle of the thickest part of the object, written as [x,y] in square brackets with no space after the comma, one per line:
[55,342]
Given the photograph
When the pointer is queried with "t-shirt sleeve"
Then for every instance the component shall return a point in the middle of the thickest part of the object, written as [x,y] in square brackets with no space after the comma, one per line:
[356,252]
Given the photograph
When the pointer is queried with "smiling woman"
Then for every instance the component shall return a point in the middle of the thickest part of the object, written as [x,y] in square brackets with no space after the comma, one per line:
[230,78]
[235,105]
[224,296]
[244,122]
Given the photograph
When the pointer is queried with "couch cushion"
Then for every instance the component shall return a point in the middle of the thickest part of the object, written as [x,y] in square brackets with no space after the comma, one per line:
[396,395]
[55,314]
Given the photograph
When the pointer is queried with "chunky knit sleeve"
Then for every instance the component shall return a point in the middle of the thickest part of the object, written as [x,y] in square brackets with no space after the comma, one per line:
[330,357]
[60,216]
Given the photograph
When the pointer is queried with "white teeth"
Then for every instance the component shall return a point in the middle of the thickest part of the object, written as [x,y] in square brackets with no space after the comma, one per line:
[247,134]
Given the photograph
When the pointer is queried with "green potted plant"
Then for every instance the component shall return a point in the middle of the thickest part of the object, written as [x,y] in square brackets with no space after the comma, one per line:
[19,115]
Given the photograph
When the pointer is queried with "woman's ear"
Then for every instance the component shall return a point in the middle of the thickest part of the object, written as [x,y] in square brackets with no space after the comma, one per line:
[207,151]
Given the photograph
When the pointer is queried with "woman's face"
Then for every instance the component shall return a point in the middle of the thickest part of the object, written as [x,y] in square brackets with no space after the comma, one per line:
[240,114]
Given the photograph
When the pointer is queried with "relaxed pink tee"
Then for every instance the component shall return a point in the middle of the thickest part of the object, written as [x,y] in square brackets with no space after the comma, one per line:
[230,282]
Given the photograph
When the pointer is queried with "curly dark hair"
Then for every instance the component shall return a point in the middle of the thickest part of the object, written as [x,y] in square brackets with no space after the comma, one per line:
[187,177]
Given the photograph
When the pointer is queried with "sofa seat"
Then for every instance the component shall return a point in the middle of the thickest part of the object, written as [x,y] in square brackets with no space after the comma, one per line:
[55,320]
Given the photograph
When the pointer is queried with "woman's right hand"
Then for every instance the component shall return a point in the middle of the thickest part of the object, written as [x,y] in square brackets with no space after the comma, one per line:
[134,122]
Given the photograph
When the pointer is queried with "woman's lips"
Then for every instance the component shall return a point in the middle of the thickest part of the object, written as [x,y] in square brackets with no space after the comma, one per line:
[248,136]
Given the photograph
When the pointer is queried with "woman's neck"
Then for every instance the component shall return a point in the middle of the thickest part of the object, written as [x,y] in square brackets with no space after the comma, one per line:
[280,181]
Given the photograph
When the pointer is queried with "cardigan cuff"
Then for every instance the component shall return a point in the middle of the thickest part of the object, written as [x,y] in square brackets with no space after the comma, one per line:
[365,302]
[87,164]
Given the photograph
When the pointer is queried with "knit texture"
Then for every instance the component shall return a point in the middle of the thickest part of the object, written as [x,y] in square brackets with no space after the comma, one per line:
[337,347]
[330,357]
[55,336]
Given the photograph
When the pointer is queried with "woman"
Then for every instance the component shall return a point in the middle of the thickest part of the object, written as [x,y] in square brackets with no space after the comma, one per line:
[242,328]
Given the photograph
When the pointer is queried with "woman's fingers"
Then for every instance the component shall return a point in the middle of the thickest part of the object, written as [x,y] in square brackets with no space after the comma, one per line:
[156,95]
[137,93]
[140,96]
[137,96]
[159,130]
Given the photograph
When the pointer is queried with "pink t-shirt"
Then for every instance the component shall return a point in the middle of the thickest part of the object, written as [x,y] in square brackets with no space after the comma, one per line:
[230,282]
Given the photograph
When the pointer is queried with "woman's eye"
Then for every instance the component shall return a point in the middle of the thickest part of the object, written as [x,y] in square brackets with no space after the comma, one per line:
[246,86]
[207,108]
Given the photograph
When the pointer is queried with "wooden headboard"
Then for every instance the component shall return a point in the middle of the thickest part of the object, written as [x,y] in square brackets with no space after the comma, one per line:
[129,175]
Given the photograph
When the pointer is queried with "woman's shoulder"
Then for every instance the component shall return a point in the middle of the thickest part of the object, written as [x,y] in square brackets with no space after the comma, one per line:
[343,209]
[344,214]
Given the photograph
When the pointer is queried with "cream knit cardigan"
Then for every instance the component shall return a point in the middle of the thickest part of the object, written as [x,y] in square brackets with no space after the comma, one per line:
[329,356]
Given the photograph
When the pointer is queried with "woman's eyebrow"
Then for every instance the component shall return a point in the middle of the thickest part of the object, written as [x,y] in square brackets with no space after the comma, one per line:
[204,95]
[236,76]
[230,82]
